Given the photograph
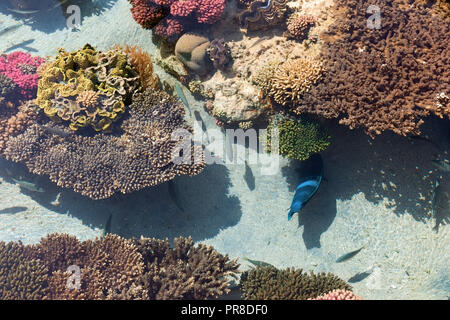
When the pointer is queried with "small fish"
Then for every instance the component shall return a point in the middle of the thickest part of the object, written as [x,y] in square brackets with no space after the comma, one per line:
[56,202]
[174,196]
[23,11]
[249,177]
[10,28]
[22,45]
[258,41]
[442,165]
[440,206]
[425,138]
[349,255]
[107,228]
[55,131]
[359,276]
[28,185]
[307,187]
[181,95]
[258,263]
[202,123]
[13,210]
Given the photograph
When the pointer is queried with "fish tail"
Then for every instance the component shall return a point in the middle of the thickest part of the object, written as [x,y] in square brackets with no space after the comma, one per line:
[290,214]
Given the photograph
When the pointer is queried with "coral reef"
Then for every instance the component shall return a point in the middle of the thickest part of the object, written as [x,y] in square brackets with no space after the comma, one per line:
[298,139]
[21,68]
[338,294]
[219,53]
[298,26]
[171,18]
[269,283]
[191,49]
[112,268]
[137,155]
[142,62]
[383,78]
[263,14]
[21,278]
[185,271]
[63,79]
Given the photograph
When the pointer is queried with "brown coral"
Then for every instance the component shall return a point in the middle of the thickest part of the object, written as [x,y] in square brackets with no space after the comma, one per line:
[386,78]
[138,155]
[185,271]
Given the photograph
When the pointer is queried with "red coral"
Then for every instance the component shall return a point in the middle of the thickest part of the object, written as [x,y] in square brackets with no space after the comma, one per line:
[183,8]
[338,294]
[21,68]
[146,14]
[210,11]
[169,28]
[164,3]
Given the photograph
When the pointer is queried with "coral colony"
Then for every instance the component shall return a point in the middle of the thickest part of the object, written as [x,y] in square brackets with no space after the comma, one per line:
[102,122]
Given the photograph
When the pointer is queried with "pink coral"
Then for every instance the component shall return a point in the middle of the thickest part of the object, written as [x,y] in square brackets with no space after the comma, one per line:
[298,26]
[146,13]
[338,294]
[183,8]
[169,28]
[21,68]
[210,11]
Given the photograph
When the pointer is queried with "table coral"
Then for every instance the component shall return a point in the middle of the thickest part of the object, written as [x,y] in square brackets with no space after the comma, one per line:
[66,77]
[137,155]
[269,283]
[21,68]
[382,79]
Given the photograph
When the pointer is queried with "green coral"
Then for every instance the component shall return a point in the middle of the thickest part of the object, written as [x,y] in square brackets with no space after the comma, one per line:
[269,283]
[299,138]
[70,74]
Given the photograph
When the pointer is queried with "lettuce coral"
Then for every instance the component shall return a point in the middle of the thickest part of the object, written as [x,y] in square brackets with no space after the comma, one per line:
[65,78]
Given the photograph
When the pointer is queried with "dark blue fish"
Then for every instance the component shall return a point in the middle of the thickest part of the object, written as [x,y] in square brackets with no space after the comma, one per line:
[249,177]
[307,187]
[349,255]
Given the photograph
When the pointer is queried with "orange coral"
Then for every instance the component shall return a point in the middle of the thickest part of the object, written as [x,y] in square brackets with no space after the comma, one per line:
[88,98]
[142,61]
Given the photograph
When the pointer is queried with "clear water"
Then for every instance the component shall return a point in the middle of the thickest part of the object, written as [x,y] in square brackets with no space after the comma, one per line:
[377,193]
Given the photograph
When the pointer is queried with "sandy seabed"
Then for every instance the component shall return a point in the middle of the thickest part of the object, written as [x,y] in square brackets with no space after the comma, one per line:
[377,193]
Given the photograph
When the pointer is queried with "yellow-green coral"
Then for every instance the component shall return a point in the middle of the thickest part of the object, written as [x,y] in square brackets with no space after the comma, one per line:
[71,74]
[298,139]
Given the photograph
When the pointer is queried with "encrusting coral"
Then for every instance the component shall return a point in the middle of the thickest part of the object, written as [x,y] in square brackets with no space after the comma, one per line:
[60,267]
[269,283]
[70,74]
[386,77]
[137,154]
[298,138]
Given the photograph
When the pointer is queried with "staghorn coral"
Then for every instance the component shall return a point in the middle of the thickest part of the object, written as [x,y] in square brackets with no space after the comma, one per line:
[338,294]
[293,78]
[70,74]
[185,271]
[298,139]
[263,14]
[142,62]
[269,283]
[21,68]
[382,79]
[298,26]
[21,278]
[136,156]
[219,53]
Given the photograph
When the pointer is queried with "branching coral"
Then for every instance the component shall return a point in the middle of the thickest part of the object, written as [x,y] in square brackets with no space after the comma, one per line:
[269,283]
[263,14]
[298,26]
[137,155]
[172,18]
[386,78]
[338,294]
[185,271]
[21,68]
[70,74]
[21,278]
[298,139]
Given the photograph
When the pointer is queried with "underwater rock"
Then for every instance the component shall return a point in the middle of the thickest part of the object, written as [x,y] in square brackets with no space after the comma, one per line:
[191,49]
